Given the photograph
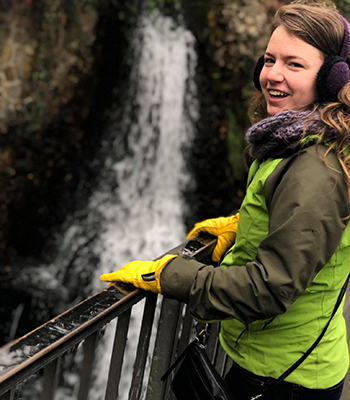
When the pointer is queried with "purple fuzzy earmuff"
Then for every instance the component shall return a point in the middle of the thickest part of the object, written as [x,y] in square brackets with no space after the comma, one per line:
[333,74]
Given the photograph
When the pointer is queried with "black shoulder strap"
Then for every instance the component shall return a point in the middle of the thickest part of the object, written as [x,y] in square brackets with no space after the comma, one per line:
[268,387]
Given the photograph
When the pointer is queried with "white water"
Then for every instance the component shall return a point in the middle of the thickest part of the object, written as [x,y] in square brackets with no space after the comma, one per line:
[142,217]
[145,218]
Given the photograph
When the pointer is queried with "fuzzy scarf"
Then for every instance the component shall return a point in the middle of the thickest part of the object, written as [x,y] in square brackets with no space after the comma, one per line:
[280,135]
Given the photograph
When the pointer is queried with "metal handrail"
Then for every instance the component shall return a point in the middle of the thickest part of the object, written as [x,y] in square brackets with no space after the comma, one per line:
[64,340]
[49,343]
[44,346]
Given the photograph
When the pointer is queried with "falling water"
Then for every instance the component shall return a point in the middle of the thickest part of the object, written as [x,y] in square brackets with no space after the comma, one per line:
[144,214]
[137,209]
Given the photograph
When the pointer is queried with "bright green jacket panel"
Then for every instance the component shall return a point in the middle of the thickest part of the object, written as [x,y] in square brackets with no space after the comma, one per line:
[269,347]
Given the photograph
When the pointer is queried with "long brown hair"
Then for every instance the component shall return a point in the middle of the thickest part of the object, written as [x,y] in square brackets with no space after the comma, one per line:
[318,25]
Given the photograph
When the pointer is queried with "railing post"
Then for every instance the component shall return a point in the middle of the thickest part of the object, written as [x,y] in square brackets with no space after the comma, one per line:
[86,371]
[51,374]
[164,347]
[115,368]
[10,395]
[142,348]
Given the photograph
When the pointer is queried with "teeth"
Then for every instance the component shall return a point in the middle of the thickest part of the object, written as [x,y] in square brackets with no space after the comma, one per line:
[277,93]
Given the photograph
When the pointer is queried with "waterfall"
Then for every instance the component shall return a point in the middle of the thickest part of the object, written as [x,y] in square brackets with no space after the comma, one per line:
[144,214]
[136,211]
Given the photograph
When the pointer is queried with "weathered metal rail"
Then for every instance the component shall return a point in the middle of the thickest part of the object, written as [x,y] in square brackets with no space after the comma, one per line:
[43,348]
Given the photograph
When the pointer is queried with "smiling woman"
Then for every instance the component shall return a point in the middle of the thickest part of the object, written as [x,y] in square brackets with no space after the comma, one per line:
[284,260]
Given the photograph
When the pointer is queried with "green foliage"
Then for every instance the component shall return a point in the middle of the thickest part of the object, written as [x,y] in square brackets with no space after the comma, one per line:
[344,7]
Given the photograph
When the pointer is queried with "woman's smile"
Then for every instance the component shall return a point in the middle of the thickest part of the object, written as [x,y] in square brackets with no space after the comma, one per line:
[277,93]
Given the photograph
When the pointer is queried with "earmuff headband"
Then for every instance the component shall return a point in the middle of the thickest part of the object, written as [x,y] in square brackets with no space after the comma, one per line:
[334,74]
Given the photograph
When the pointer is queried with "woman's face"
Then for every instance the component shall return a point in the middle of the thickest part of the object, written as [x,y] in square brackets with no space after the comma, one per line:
[288,78]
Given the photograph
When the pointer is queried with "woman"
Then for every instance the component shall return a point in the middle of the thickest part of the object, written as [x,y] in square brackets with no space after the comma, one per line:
[279,281]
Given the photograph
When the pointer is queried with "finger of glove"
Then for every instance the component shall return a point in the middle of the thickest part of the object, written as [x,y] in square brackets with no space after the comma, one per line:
[223,244]
[215,226]
[233,218]
[225,224]
[213,230]
[128,270]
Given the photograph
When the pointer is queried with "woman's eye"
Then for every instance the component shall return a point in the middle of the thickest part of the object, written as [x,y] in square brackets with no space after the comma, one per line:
[295,65]
[269,61]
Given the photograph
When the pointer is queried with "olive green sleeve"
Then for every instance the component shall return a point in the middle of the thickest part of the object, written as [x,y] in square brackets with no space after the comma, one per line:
[308,205]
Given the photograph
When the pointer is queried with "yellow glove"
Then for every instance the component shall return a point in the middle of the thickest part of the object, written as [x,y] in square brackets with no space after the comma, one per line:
[142,274]
[224,228]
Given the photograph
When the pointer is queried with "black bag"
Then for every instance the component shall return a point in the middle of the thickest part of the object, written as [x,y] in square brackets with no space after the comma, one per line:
[197,379]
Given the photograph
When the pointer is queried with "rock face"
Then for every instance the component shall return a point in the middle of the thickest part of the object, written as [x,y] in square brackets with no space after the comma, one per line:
[47,83]
[15,66]
[46,50]
[239,34]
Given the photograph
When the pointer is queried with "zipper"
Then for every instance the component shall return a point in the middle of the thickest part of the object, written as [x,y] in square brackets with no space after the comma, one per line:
[240,335]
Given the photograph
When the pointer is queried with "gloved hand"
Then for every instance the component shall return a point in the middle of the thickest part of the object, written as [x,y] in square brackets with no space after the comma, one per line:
[224,228]
[142,274]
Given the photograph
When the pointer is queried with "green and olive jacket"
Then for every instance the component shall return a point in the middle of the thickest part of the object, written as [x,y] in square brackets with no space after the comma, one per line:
[278,284]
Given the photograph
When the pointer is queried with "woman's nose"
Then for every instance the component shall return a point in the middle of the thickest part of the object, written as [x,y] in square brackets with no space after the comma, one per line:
[275,73]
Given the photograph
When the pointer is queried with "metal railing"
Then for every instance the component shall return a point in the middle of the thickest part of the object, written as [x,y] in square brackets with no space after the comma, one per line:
[42,350]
